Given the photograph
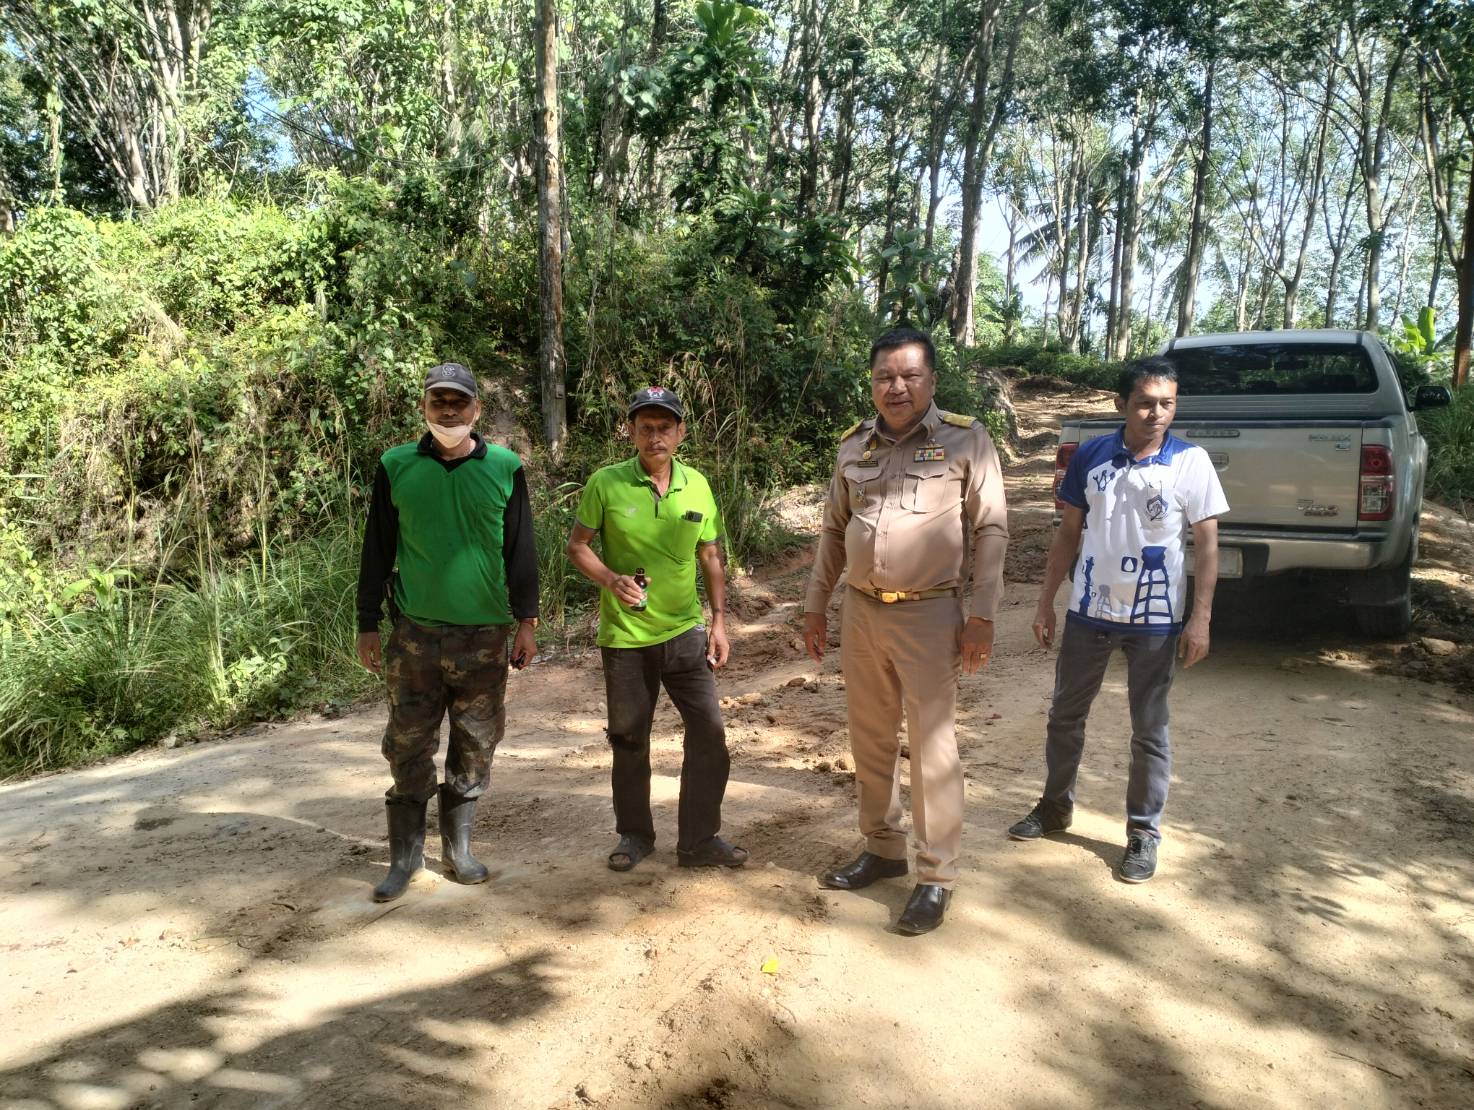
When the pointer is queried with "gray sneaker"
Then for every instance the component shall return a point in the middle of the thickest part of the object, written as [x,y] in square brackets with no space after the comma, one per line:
[1041,821]
[1140,861]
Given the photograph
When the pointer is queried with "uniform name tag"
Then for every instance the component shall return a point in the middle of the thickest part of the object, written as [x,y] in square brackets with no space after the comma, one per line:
[930,453]
[868,462]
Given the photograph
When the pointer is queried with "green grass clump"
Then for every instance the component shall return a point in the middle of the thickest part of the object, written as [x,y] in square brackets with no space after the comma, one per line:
[1450,433]
[1037,361]
[136,663]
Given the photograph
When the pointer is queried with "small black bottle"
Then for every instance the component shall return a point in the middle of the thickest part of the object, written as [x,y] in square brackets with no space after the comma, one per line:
[642,582]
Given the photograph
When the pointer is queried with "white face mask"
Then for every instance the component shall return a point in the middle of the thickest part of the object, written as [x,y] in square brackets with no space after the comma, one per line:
[449,438]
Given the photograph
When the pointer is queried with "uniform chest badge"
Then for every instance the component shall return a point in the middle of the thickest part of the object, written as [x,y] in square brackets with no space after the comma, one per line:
[932,452]
[1156,505]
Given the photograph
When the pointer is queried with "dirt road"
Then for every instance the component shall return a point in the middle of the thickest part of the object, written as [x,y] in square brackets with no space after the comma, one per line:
[192,927]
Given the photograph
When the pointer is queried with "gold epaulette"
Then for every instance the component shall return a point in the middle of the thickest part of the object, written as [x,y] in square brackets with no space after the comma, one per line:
[959,421]
[851,430]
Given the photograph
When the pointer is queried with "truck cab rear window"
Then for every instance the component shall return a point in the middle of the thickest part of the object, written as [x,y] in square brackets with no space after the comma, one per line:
[1272,368]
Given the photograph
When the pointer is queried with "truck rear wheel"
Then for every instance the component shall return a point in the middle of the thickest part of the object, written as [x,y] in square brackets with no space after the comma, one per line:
[1391,618]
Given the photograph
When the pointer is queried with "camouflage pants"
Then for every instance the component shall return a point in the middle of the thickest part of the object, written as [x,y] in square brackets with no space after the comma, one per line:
[462,668]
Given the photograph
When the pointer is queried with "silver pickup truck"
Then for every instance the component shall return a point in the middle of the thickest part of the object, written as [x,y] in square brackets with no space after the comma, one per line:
[1318,451]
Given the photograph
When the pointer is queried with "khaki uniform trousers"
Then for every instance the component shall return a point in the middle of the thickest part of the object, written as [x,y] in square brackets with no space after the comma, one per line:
[897,658]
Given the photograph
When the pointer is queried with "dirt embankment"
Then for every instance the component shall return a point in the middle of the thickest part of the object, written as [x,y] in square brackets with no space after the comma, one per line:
[192,927]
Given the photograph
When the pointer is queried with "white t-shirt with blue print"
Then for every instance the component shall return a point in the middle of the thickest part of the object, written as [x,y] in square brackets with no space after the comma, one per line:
[1137,512]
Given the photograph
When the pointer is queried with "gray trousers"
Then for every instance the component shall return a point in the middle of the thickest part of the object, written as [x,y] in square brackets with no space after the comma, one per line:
[1084,651]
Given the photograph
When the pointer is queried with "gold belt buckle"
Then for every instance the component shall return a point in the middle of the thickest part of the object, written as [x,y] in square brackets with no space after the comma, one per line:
[890,597]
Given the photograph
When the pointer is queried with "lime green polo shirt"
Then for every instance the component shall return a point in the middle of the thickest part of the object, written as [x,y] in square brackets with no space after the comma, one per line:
[639,528]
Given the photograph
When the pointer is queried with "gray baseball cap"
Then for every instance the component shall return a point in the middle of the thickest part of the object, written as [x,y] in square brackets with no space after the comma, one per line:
[656,397]
[451,375]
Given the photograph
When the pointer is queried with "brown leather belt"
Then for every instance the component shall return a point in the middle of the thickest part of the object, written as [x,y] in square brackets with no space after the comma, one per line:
[890,597]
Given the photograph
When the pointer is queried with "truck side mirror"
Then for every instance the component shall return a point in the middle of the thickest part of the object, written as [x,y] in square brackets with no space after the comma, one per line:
[1431,397]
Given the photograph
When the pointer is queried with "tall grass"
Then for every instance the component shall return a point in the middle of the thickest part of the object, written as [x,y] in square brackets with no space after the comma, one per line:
[139,663]
[1450,433]
[566,597]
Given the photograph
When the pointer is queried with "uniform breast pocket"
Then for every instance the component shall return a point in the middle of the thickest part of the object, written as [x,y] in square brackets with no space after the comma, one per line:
[924,489]
[863,486]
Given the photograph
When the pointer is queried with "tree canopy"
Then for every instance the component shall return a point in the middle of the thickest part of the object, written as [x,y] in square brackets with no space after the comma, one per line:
[1164,166]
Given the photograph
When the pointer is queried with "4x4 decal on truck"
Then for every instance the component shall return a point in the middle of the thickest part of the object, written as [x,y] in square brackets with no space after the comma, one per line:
[1310,508]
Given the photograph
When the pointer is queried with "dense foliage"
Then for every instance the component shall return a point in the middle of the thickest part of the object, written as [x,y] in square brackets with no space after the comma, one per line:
[196,398]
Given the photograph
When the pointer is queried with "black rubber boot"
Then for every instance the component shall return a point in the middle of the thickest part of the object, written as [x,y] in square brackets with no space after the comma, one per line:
[406,847]
[457,815]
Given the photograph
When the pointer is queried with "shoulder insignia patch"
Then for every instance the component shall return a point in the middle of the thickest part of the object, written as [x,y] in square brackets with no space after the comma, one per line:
[851,430]
[959,421]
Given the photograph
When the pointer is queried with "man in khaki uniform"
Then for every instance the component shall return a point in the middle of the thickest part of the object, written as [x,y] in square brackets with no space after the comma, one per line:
[916,511]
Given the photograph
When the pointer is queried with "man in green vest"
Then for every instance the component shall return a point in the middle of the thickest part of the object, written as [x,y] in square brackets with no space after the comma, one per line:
[451,513]
[657,522]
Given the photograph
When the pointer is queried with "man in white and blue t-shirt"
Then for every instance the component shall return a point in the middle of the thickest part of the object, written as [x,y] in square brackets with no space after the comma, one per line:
[1129,499]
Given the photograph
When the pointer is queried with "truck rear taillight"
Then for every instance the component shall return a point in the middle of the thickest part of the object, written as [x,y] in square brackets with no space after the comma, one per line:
[1377,484]
[1061,464]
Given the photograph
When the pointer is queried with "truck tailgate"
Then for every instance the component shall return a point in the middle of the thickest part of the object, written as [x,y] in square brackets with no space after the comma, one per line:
[1275,474]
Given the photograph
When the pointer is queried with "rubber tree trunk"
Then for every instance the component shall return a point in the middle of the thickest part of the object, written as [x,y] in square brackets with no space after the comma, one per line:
[1193,264]
[808,183]
[1464,329]
[985,116]
[551,364]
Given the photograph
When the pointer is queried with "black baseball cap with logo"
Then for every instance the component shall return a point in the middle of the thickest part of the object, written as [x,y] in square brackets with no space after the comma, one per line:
[656,397]
[451,375]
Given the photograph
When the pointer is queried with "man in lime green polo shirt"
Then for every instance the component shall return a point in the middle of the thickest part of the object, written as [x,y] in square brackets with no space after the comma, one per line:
[657,523]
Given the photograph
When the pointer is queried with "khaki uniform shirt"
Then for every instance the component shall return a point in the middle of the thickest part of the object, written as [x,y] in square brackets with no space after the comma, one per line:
[922,512]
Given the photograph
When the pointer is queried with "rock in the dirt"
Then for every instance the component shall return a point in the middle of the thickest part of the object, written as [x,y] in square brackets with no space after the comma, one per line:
[796,680]
[1434,646]
[905,751]
[591,1092]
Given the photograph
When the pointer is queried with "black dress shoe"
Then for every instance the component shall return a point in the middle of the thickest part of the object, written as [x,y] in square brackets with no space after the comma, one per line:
[924,911]
[864,871]
[1041,821]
